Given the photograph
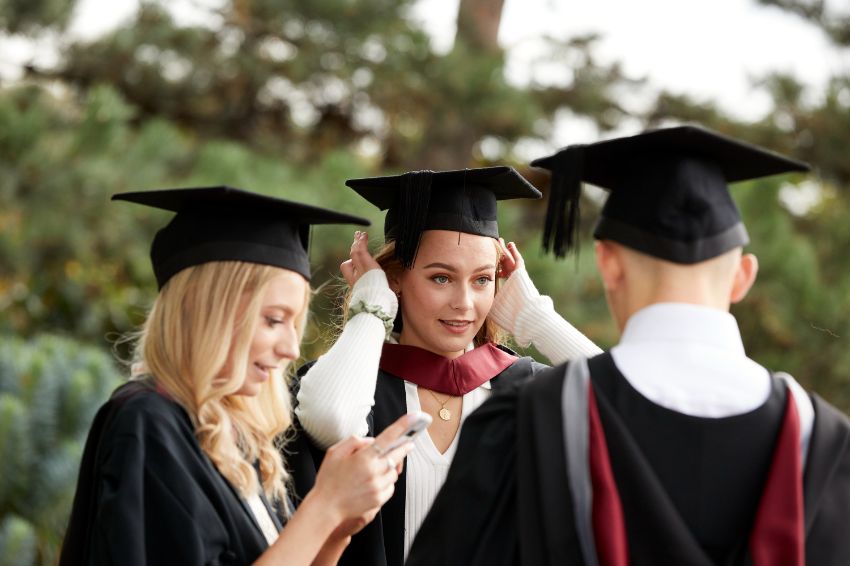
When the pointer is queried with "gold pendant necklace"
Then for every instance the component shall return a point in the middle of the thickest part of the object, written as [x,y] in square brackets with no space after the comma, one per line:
[444,413]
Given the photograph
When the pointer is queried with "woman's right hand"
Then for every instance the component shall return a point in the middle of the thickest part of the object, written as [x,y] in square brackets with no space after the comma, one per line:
[361,260]
[511,259]
[355,479]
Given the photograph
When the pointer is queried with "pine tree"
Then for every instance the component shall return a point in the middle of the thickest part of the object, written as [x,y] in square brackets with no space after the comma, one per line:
[50,389]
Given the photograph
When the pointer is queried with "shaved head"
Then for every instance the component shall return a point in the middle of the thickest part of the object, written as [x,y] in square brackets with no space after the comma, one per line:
[634,280]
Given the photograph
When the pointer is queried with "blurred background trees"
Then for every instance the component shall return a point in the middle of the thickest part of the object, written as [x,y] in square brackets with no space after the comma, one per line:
[290,98]
[50,389]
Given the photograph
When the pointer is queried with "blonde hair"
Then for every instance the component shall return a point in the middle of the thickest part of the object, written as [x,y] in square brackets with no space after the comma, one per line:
[385,256]
[195,345]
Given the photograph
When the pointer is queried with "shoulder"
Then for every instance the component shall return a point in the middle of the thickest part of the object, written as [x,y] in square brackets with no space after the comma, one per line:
[138,410]
[539,381]
[546,380]
[523,359]
[530,362]
[831,425]
[826,485]
[521,369]
[834,417]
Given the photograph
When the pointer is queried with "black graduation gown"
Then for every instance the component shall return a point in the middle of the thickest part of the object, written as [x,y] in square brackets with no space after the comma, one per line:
[381,542]
[507,501]
[148,494]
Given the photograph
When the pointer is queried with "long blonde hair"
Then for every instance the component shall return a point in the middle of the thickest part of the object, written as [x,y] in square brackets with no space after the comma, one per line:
[385,256]
[195,345]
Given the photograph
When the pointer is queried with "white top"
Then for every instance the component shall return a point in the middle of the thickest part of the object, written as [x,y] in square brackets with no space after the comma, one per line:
[261,513]
[426,467]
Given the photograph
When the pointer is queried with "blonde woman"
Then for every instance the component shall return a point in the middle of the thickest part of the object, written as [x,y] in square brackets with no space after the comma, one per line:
[183,464]
[430,292]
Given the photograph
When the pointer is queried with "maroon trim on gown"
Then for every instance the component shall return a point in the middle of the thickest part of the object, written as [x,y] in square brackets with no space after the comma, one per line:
[456,376]
[777,537]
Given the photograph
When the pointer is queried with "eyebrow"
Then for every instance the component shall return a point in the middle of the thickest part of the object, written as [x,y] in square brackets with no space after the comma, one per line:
[448,267]
[285,308]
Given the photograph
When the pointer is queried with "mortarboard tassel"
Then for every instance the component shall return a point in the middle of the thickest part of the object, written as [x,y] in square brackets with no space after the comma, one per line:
[413,212]
[560,231]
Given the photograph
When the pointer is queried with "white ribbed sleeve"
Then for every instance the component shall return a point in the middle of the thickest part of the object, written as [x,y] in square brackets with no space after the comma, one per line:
[338,392]
[531,318]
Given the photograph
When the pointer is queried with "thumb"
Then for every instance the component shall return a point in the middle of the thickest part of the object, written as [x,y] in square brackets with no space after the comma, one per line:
[347,270]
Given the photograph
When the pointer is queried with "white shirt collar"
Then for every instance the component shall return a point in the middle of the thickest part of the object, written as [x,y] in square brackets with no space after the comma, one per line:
[682,322]
[690,358]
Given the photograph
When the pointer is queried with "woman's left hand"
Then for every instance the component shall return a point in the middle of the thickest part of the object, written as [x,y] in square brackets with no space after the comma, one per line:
[511,259]
[361,260]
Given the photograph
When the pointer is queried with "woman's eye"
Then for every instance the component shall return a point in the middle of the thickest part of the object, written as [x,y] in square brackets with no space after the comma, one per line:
[484,280]
[441,279]
[272,321]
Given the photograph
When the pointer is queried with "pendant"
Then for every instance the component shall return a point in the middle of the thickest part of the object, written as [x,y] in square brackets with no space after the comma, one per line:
[445,414]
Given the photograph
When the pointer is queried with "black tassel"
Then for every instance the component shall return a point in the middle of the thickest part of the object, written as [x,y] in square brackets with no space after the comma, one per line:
[413,202]
[561,228]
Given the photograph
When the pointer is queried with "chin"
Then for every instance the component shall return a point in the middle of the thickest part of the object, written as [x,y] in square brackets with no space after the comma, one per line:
[249,390]
[455,345]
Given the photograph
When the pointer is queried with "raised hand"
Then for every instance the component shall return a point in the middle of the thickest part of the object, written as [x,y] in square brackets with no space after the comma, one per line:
[511,259]
[361,260]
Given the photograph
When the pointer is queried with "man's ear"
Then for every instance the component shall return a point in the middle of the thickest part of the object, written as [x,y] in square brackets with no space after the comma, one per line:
[745,276]
[609,262]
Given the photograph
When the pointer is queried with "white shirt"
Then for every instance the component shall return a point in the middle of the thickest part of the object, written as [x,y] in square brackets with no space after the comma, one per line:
[691,359]
[261,514]
[426,467]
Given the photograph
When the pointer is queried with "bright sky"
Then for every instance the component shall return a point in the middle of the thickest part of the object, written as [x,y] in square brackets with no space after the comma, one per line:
[709,49]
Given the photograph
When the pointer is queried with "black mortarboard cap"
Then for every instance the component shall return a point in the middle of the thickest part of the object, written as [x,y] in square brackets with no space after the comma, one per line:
[228,224]
[462,200]
[668,191]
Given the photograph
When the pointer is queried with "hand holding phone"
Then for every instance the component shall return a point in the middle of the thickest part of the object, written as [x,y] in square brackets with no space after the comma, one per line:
[419,421]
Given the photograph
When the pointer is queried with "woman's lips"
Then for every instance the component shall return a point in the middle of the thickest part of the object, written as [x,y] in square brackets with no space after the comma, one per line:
[456,326]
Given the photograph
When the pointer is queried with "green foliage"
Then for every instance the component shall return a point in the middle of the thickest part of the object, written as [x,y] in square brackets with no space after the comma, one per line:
[835,25]
[303,78]
[34,16]
[50,388]
[81,262]
[18,542]
[291,98]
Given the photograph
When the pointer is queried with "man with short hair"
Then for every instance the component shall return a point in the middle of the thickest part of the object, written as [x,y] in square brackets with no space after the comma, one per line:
[673,447]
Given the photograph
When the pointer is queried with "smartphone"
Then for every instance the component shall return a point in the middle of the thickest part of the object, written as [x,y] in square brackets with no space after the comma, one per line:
[420,422]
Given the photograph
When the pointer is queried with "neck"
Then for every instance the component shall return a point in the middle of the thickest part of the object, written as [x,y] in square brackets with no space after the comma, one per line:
[692,292]
[405,340]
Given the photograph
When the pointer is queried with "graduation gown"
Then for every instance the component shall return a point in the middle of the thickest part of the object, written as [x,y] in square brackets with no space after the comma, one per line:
[148,494]
[381,542]
[507,498]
